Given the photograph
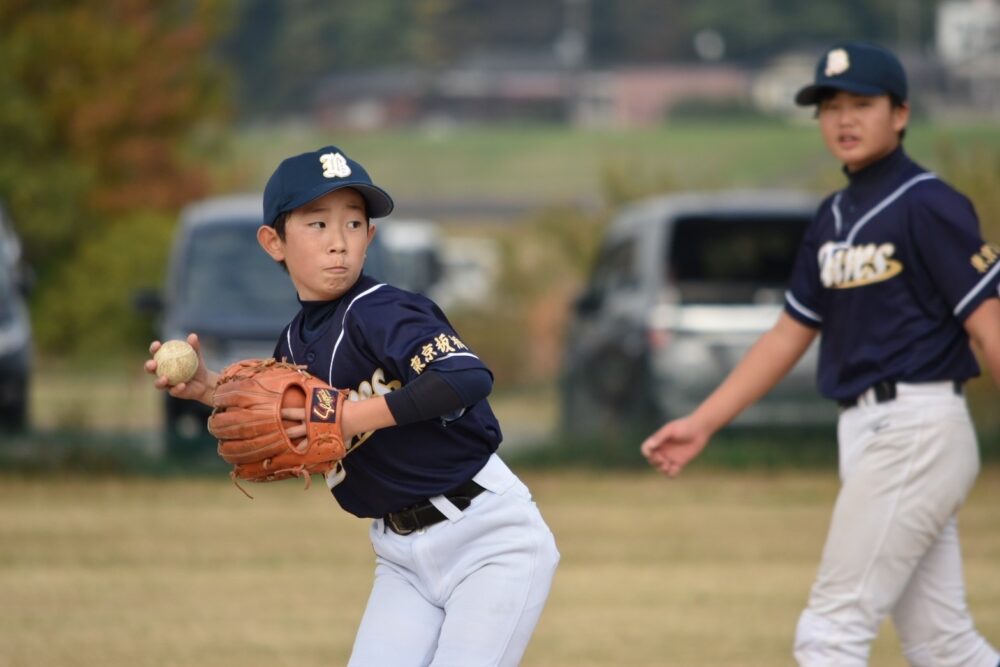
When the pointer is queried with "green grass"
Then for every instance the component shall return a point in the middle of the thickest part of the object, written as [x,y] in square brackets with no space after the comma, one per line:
[110,419]
[710,569]
[111,556]
[555,164]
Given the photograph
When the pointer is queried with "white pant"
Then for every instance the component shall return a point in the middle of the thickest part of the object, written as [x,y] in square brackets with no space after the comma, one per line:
[906,466]
[466,592]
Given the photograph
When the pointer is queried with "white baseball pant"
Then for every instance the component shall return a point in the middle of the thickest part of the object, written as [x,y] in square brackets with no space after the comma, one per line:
[906,467]
[466,592]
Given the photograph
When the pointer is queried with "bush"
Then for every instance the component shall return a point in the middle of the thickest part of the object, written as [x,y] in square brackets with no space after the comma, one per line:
[86,306]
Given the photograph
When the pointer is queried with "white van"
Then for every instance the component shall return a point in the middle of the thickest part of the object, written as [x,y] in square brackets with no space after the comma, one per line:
[682,286]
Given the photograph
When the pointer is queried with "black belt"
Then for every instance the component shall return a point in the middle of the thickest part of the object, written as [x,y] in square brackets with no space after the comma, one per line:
[424,514]
[885,391]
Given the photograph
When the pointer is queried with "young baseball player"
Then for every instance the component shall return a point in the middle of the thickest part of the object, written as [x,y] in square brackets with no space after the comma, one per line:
[895,275]
[464,560]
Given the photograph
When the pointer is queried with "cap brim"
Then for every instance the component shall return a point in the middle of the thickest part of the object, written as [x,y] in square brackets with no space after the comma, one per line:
[377,201]
[811,94]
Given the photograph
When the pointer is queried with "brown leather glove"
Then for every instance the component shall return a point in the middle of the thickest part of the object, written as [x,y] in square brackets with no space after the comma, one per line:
[252,434]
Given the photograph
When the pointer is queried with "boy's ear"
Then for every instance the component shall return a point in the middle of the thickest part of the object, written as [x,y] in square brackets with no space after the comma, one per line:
[900,116]
[272,244]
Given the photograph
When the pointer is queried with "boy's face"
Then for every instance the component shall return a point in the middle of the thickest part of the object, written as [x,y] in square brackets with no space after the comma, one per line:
[860,129]
[324,245]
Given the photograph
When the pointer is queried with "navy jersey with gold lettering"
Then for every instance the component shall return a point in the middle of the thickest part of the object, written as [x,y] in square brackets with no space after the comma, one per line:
[889,269]
[373,340]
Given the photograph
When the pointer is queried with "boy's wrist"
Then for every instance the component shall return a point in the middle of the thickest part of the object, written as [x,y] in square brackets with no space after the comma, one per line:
[705,421]
[208,396]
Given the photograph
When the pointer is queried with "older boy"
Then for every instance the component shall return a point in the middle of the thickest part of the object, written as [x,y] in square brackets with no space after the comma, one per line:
[895,274]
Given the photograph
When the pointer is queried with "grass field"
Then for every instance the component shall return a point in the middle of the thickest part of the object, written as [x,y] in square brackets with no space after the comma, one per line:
[556,164]
[711,569]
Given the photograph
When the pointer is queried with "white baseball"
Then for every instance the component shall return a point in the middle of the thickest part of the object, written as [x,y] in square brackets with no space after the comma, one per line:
[177,361]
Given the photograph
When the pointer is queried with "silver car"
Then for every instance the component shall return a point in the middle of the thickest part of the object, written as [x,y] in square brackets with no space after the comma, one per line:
[683,285]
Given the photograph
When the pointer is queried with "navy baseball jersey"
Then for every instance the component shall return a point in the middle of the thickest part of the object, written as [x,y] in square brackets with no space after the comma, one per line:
[374,340]
[889,269]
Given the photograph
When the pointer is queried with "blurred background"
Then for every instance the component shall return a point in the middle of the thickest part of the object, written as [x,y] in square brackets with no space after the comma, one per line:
[604,196]
[510,134]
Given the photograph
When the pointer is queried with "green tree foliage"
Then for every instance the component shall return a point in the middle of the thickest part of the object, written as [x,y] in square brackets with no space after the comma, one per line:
[642,31]
[99,97]
[281,49]
[754,29]
[89,309]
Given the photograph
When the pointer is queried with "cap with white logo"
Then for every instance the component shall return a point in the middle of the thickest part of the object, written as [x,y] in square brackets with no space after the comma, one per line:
[302,178]
[857,67]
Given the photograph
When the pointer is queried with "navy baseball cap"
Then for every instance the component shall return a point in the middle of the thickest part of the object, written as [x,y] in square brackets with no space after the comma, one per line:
[857,67]
[302,178]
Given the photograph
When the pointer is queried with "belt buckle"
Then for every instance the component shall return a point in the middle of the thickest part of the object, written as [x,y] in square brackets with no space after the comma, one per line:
[884,391]
[394,526]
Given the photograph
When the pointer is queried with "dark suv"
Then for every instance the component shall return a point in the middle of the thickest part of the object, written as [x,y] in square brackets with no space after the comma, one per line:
[221,285]
[682,286]
[15,331]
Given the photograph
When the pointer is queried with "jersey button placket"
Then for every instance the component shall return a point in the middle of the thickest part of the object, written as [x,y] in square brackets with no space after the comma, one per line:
[310,357]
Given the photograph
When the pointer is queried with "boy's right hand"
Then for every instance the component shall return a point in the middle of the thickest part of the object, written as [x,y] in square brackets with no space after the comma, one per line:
[201,387]
[674,445]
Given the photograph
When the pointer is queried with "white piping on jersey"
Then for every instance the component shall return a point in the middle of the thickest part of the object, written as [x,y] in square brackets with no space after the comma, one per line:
[794,303]
[288,337]
[974,290]
[455,354]
[329,376]
[926,176]
[838,221]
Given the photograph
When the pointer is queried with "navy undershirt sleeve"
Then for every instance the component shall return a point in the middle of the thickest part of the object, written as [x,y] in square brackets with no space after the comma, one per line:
[434,394]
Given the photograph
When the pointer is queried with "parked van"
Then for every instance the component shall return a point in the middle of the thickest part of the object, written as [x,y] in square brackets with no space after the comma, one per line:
[221,285]
[682,287]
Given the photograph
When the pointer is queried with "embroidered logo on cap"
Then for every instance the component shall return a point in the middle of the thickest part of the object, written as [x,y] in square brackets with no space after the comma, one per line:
[334,165]
[837,62]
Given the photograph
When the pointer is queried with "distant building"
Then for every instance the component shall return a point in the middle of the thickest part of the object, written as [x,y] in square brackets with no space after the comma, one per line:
[523,87]
[968,45]
[645,96]
[371,100]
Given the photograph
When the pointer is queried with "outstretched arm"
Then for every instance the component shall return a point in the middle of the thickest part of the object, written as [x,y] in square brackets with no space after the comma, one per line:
[774,354]
[983,326]
[430,395]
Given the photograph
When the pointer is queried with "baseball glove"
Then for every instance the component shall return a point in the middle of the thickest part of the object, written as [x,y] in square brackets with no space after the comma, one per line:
[252,435]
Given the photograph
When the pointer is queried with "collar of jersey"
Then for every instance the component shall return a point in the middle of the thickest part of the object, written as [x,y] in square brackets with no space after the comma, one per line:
[315,315]
[877,177]
[866,190]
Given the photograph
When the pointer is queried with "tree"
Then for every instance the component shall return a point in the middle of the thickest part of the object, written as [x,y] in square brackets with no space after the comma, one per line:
[99,98]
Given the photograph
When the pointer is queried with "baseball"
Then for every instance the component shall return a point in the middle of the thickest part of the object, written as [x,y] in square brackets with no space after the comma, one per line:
[177,361]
